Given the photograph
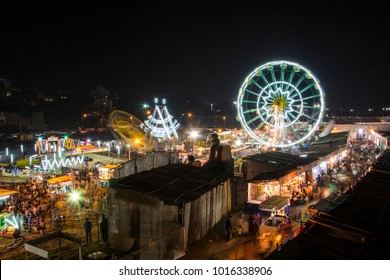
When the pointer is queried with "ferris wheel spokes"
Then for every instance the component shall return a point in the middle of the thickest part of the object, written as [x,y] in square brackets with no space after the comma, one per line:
[266,98]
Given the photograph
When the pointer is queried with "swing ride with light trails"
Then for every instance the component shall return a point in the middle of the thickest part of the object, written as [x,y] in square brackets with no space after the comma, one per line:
[127,127]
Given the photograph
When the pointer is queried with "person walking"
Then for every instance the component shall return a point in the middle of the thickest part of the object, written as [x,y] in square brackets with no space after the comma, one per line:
[228,227]
[253,229]
[99,203]
[239,233]
[104,227]
[88,229]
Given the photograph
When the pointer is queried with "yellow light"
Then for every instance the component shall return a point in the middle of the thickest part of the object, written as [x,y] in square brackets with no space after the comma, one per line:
[136,141]
[278,238]
[189,115]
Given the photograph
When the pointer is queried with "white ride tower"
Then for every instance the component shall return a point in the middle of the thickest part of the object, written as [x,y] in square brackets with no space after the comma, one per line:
[161,124]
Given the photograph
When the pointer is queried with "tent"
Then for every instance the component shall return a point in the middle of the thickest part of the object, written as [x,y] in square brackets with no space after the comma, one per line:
[60,184]
[4,193]
[274,203]
[59,180]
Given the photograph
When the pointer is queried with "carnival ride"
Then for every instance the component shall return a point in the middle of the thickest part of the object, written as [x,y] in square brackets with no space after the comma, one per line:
[8,223]
[281,104]
[327,129]
[127,127]
[56,144]
[161,124]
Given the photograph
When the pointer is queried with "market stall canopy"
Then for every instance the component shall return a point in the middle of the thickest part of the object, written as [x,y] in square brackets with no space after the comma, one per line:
[58,180]
[355,226]
[274,203]
[109,166]
[4,193]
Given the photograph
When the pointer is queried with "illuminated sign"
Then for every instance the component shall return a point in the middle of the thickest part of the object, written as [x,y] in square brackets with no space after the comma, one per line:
[13,223]
[48,164]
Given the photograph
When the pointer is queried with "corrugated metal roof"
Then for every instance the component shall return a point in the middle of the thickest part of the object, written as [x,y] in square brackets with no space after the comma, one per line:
[279,164]
[59,179]
[334,138]
[178,183]
[358,228]
[274,203]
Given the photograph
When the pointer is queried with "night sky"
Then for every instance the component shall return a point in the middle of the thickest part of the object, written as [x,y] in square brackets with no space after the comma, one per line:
[199,49]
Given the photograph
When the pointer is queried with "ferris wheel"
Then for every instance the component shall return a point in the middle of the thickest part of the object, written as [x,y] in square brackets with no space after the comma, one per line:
[281,104]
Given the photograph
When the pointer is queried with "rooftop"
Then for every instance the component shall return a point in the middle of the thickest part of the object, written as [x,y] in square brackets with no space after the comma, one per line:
[356,229]
[176,183]
[279,164]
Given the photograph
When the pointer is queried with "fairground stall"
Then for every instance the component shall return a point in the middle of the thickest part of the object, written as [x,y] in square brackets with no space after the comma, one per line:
[106,173]
[59,185]
[273,207]
[8,222]
[275,174]
[6,194]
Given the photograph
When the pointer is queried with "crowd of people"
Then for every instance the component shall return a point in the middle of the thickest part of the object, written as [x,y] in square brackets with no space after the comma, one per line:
[37,208]
[242,226]
[30,205]
[359,156]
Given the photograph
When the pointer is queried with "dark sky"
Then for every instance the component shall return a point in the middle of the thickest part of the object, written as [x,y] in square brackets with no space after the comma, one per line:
[200,49]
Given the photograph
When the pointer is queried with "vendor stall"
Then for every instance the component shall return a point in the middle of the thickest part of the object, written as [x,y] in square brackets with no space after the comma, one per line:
[273,206]
[277,205]
[106,173]
[59,185]
[5,194]
[8,224]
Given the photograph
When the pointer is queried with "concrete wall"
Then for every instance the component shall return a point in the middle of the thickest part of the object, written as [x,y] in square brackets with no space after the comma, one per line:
[240,195]
[147,162]
[150,229]
[208,210]
[139,217]
[251,169]
[155,226]
[378,126]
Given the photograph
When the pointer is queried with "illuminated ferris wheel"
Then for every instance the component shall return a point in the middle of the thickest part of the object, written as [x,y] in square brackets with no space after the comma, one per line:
[281,104]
